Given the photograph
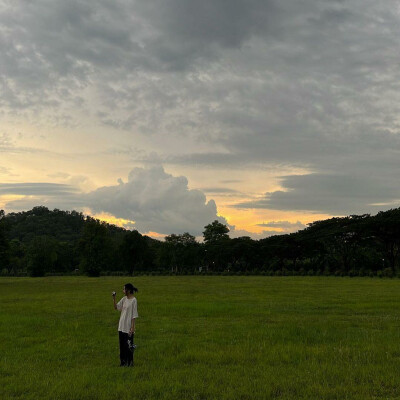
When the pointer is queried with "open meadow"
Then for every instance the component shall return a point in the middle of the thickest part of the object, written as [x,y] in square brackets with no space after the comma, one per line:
[202,338]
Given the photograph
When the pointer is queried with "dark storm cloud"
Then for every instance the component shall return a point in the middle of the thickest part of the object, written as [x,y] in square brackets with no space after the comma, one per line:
[55,47]
[199,29]
[51,49]
[228,22]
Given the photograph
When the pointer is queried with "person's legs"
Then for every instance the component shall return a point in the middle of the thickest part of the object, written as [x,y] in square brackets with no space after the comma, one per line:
[130,352]
[122,346]
[125,353]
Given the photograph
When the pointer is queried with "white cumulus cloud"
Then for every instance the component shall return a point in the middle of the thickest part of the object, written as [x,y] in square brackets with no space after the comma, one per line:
[156,201]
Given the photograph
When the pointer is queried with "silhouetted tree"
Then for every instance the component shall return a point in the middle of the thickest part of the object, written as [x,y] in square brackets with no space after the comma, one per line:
[215,232]
[216,249]
[181,252]
[41,241]
[386,230]
[134,251]
[242,254]
[94,247]
[17,256]
[41,255]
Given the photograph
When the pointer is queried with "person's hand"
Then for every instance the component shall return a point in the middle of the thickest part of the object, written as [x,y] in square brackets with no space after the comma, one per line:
[131,332]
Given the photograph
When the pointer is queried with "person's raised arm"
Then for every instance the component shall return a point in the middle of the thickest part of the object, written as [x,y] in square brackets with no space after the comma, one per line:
[115,304]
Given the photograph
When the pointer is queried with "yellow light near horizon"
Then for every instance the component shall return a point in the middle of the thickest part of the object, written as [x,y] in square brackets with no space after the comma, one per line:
[111,219]
[7,198]
[249,219]
[155,235]
[123,223]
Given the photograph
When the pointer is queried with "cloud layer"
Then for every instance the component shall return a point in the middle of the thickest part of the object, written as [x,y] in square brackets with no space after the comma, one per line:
[153,200]
[157,202]
[217,85]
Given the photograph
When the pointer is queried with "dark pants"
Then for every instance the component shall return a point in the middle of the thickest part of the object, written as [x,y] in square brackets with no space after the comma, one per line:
[125,355]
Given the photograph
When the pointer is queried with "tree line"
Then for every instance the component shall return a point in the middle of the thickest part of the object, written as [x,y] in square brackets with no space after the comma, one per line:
[43,241]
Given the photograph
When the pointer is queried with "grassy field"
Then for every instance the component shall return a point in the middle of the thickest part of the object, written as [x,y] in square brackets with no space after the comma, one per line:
[202,338]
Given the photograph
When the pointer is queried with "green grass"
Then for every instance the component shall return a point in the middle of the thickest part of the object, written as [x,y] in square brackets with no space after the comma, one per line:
[202,338]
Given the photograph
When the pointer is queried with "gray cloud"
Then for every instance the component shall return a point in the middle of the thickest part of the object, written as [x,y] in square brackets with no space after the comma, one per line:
[51,195]
[154,200]
[190,30]
[220,190]
[286,226]
[312,84]
[44,189]
[331,194]
[54,48]
[280,228]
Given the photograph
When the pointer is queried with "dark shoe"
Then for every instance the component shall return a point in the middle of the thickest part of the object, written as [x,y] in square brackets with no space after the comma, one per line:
[122,365]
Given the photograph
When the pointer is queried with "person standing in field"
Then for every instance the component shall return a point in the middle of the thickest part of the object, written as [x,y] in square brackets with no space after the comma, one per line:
[126,327]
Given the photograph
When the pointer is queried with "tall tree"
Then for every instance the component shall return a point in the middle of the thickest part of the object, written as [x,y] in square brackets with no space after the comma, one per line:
[41,255]
[216,246]
[185,239]
[134,251]
[386,230]
[215,232]
[94,247]
[181,251]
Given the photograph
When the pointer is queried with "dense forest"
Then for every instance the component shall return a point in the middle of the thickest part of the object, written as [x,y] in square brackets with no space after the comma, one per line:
[44,242]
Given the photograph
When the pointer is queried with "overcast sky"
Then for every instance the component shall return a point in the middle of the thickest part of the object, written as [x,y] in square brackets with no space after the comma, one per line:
[163,115]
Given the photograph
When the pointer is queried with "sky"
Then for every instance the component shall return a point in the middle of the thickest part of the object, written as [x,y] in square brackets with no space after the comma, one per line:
[164,115]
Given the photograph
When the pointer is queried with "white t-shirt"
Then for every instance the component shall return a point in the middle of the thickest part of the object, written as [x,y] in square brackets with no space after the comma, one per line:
[128,308]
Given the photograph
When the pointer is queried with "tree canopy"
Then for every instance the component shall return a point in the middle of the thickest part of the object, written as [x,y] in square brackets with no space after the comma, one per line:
[43,241]
[215,232]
